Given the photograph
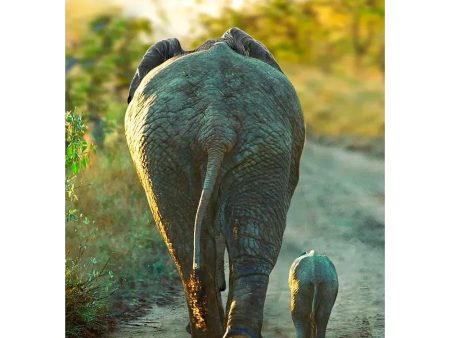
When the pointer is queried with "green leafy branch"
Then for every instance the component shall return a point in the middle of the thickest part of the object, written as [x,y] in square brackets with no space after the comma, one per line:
[77,150]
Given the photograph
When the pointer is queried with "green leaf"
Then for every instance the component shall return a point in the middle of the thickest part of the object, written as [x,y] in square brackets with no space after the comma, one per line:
[84,145]
[69,151]
[75,168]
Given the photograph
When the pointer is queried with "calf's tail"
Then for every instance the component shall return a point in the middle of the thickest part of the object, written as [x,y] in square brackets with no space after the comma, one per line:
[312,316]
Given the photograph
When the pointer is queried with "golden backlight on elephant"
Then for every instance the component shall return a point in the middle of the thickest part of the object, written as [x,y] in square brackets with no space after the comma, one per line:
[197,303]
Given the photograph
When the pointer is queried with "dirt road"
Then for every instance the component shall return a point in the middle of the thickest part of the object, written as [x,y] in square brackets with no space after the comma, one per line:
[338,209]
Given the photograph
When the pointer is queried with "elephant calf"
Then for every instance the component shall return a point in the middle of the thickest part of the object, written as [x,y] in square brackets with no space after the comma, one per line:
[313,283]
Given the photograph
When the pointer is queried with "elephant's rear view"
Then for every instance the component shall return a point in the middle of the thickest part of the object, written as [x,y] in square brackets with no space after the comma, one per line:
[216,136]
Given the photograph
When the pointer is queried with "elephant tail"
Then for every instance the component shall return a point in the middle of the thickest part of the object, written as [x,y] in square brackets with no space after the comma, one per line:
[313,314]
[197,294]
[215,158]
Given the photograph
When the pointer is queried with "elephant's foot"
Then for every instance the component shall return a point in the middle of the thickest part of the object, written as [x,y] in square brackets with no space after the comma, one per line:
[248,290]
[205,305]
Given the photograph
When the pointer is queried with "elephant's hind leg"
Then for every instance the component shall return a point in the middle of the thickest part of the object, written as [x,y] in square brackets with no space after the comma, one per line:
[220,262]
[301,309]
[254,230]
[328,293]
[212,278]
[173,196]
[211,283]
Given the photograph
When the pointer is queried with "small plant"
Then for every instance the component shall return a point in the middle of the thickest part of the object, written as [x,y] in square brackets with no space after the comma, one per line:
[77,157]
[77,152]
[87,297]
[87,288]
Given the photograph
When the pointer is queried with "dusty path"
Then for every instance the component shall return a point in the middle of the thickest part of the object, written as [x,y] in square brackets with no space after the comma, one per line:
[338,209]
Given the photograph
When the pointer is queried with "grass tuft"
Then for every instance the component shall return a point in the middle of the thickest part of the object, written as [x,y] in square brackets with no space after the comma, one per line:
[87,295]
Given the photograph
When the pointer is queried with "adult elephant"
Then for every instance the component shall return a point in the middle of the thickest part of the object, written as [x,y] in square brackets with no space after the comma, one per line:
[216,136]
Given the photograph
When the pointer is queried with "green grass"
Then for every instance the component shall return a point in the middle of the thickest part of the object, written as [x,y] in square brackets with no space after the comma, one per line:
[87,298]
[118,231]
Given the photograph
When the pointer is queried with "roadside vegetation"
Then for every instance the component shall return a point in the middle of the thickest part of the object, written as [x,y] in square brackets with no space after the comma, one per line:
[333,53]
[116,261]
[341,109]
[86,292]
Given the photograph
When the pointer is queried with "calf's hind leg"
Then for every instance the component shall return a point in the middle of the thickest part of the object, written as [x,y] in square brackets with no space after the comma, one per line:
[327,294]
[301,307]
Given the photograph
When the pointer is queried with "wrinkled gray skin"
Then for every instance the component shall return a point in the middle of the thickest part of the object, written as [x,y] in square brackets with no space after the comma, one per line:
[314,286]
[216,137]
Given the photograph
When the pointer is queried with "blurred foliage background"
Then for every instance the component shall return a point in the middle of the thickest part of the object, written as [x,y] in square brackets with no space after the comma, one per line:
[331,50]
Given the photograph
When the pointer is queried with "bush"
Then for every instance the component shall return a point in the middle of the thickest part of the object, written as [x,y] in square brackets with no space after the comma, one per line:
[86,290]
[108,225]
[123,230]
[87,298]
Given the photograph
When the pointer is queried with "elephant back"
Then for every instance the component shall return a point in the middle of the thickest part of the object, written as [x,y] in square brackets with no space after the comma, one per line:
[219,78]
[214,95]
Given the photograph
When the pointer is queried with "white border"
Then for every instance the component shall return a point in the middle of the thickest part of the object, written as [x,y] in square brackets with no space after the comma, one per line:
[417,168]
[32,169]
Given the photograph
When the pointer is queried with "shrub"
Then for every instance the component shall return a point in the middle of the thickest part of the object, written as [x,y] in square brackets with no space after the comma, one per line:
[86,290]
[108,225]
[87,298]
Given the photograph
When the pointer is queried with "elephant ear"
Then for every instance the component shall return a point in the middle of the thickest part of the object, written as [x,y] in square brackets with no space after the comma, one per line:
[157,54]
[252,47]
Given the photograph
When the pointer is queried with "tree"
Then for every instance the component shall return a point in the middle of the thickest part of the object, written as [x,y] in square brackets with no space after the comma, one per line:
[100,67]
[324,33]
